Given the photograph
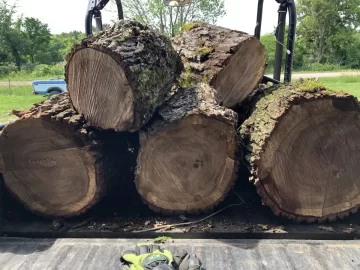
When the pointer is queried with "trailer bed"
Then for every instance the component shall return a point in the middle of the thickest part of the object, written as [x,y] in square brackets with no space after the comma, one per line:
[20,253]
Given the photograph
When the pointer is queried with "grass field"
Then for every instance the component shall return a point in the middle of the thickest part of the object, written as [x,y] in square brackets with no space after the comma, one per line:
[29,77]
[21,97]
[349,84]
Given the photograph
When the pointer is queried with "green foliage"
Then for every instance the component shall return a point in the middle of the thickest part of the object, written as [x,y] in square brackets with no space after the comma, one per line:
[6,70]
[38,36]
[169,20]
[322,67]
[49,70]
[12,39]
[268,41]
[328,27]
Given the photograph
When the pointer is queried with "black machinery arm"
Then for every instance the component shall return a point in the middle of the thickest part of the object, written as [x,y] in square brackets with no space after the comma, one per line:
[94,11]
[285,6]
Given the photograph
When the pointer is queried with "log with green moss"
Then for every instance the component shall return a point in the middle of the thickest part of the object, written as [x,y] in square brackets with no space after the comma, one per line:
[55,164]
[119,77]
[233,62]
[187,154]
[302,146]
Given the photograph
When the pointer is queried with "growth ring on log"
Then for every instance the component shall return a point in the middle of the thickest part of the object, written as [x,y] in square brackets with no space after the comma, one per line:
[303,149]
[46,164]
[187,156]
[118,78]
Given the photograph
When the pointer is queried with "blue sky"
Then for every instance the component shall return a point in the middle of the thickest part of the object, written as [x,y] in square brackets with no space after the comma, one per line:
[68,15]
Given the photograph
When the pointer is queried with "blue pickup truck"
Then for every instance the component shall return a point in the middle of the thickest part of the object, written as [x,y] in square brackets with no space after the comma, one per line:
[49,87]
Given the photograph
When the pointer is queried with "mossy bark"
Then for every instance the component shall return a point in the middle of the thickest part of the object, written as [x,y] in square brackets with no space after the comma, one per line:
[300,145]
[232,62]
[54,163]
[128,69]
[187,153]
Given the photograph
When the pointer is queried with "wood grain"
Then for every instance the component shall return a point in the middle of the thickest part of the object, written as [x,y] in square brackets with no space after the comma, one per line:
[303,149]
[48,163]
[231,61]
[118,78]
[187,156]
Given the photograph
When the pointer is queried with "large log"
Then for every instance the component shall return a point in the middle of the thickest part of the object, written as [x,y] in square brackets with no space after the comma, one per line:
[302,146]
[233,62]
[118,78]
[186,161]
[52,162]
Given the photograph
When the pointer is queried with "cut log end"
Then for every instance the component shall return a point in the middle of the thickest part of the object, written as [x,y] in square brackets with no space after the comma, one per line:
[118,79]
[316,152]
[188,164]
[232,62]
[48,169]
[101,91]
[310,163]
[187,167]
[242,74]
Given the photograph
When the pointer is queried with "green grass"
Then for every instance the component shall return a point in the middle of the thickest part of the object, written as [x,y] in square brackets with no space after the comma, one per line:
[28,77]
[17,98]
[348,84]
[21,97]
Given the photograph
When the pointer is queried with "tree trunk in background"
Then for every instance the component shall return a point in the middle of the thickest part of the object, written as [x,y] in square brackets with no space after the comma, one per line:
[302,146]
[187,155]
[118,78]
[232,62]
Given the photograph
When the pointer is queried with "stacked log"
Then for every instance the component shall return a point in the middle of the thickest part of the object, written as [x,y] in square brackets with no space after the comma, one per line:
[117,79]
[233,62]
[302,146]
[300,142]
[53,162]
[187,159]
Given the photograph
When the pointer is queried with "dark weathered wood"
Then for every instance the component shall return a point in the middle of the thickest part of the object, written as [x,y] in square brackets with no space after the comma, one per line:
[302,146]
[52,161]
[187,154]
[233,62]
[119,77]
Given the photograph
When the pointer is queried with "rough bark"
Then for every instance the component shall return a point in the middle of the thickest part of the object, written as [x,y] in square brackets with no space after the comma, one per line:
[232,62]
[186,161]
[118,78]
[52,161]
[302,146]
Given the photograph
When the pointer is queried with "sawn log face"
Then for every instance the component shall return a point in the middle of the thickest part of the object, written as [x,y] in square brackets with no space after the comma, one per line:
[49,161]
[232,62]
[302,146]
[187,154]
[119,77]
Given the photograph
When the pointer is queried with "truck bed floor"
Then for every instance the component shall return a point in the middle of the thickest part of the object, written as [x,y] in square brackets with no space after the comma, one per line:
[19,253]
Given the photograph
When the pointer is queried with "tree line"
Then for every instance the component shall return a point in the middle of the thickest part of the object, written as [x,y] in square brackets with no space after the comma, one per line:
[328,35]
